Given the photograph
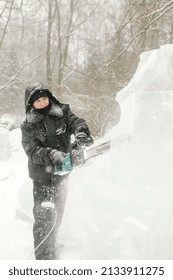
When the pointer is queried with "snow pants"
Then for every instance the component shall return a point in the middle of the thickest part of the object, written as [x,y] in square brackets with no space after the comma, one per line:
[47,219]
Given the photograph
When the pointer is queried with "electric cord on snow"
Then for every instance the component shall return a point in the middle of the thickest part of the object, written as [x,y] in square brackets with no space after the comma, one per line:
[29,257]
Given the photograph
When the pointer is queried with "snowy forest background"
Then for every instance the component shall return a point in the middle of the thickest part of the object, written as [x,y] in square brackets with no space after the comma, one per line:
[84,51]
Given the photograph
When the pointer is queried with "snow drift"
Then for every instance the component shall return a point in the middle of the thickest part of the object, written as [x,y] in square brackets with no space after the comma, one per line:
[119,205]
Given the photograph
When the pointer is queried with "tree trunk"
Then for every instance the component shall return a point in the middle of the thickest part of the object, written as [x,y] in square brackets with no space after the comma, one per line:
[48,53]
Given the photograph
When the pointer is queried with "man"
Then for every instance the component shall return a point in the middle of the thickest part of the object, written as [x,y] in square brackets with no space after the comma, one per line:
[46,135]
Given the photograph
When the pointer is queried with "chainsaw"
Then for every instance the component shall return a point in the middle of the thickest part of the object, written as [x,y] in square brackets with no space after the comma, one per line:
[78,157]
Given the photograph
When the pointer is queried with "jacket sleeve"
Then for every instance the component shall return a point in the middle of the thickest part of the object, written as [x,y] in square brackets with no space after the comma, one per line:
[77,124]
[32,147]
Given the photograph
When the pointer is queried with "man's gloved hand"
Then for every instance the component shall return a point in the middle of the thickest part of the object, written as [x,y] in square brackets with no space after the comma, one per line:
[57,156]
[82,139]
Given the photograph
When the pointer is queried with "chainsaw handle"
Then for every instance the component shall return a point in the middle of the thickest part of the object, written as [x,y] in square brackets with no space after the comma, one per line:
[65,167]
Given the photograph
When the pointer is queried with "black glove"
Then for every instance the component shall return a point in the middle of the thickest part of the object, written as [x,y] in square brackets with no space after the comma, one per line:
[57,156]
[82,139]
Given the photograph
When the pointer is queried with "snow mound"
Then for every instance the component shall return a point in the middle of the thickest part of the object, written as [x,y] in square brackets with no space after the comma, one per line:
[118,204]
[5,154]
[5,147]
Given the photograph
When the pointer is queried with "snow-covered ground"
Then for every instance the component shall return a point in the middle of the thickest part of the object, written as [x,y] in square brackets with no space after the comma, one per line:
[119,205]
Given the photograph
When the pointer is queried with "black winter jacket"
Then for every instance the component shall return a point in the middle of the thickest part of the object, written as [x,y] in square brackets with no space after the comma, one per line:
[41,134]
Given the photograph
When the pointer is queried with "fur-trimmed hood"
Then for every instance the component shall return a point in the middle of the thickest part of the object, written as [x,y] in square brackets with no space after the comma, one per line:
[32,89]
[32,115]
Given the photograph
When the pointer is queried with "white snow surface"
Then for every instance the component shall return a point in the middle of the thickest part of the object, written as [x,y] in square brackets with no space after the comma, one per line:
[119,205]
